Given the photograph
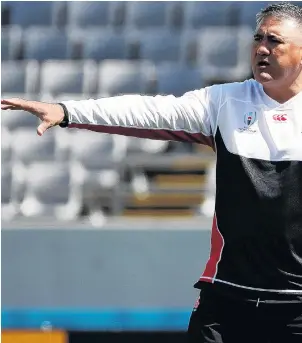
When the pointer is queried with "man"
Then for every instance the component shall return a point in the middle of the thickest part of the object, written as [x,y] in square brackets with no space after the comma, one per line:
[251,287]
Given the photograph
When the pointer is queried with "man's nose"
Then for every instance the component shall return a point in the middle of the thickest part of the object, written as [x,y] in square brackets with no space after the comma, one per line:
[263,49]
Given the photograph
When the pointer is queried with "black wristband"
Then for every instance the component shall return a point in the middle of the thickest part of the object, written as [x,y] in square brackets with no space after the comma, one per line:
[65,121]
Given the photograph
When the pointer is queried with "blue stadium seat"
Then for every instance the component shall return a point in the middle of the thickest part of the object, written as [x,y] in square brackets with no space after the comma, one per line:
[177,80]
[68,77]
[100,45]
[29,13]
[11,38]
[248,11]
[19,77]
[160,45]
[199,14]
[229,58]
[146,14]
[116,77]
[46,43]
[88,13]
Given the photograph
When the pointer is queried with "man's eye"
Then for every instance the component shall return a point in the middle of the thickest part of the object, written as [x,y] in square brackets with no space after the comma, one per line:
[257,38]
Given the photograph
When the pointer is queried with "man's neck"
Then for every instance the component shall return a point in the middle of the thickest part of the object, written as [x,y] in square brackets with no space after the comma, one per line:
[284,94]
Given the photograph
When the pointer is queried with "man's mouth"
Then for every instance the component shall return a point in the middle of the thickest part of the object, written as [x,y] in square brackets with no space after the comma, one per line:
[262,64]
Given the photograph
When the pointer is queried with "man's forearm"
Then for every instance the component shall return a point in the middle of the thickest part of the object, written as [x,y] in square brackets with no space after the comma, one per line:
[153,117]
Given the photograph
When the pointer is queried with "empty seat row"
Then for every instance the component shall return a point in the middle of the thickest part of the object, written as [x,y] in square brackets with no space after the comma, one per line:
[109,78]
[156,45]
[21,144]
[228,59]
[193,14]
[43,189]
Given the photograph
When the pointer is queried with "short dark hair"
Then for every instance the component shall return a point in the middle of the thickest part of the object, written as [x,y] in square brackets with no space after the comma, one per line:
[282,10]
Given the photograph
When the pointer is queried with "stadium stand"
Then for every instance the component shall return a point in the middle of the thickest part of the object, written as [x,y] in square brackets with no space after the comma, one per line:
[78,50]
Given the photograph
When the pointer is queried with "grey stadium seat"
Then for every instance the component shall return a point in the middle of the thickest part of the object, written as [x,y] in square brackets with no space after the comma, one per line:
[68,77]
[28,147]
[46,43]
[116,77]
[6,183]
[97,163]
[19,77]
[97,151]
[50,191]
[229,57]
[8,205]
[5,145]
[104,44]
[199,14]
[14,120]
[176,79]
[29,13]
[160,45]
[11,38]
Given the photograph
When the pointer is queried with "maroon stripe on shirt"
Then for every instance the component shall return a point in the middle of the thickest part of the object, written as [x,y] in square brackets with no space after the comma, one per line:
[159,134]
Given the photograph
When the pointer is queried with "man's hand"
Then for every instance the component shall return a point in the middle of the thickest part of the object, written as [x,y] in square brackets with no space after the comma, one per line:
[50,114]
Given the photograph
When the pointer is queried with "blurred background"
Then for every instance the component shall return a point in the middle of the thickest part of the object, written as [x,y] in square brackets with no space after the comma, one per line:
[103,236]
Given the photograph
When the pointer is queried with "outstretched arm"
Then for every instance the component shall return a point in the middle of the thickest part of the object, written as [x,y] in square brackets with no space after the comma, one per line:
[184,118]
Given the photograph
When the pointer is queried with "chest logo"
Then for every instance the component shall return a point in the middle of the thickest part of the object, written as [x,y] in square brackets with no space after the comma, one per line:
[280,118]
[249,120]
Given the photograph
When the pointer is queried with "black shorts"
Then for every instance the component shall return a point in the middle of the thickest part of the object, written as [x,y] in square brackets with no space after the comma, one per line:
[220,318]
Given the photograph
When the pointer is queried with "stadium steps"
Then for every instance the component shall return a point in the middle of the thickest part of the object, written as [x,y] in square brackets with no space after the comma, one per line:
[183,181]
[159,213]
[166,200]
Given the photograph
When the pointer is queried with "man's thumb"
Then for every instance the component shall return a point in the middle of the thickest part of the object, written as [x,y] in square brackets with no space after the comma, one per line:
[42,128]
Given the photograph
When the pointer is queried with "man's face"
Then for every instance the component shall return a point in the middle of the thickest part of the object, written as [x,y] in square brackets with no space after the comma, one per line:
[277,52]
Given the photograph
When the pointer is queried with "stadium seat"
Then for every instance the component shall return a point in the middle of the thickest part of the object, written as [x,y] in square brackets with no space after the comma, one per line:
[41,44]
[70,77]
[29,13]
[50,192]
[248,10]
[6,183]
[229,58]
[97,151]
[8,205]
[153,14]
[100,45]
[70,96]
[88,13]
[11,38]
[146,14]
[198,14]
[117,77]
[98,165]
[143,146]
[177,80]
[27,147]
[19,77]
[160,45]
[14,120]
[5,145]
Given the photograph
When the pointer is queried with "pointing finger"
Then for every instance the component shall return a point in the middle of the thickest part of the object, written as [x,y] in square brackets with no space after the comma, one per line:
[42,128]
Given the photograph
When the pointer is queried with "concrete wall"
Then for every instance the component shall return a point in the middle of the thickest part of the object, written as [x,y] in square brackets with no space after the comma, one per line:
[101,268]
